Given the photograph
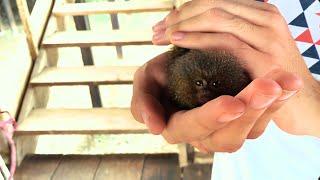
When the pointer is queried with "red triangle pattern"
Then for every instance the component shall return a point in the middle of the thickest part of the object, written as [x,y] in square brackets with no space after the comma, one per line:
[305,37]
[318,42]
[318,13]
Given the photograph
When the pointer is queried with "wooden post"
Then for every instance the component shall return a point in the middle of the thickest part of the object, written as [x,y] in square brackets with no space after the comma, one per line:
[34,25]
[183,155]
[82,23]
[25,19]
[34,98]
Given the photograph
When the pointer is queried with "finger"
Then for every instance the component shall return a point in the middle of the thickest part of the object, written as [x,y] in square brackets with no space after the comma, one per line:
[290,85]
[145,105]
[246,54]
[258,96]
[252,3]
[202,120]
[245,10]
[217,20]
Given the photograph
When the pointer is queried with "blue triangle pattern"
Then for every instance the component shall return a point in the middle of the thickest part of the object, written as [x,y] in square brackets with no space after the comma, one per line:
[306,3]
[300,21]
[315,68]
[311,52]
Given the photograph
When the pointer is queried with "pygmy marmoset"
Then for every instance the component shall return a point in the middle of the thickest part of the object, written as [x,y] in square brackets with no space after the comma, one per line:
[198,76]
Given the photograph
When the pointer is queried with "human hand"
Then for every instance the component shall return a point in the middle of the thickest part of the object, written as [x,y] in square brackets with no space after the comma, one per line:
[221,124]
[258,35]
[202,127]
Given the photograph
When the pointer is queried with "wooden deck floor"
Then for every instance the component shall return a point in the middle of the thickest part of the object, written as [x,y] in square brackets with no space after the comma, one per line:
[113,167]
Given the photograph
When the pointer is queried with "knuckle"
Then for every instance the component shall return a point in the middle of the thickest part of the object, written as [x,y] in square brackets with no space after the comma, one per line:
[214,12]
[271,8]
[276,20]
[275,17]
[224,100]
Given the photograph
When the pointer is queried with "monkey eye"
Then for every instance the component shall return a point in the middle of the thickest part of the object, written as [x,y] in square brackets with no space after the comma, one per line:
[215,83]
[201,83]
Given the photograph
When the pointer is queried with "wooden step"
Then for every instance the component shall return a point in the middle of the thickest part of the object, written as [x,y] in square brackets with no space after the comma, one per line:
[80,121]
[86,75]
[78,9]
[95,38]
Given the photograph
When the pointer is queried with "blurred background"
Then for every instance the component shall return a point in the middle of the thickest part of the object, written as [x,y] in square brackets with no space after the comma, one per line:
[15,65]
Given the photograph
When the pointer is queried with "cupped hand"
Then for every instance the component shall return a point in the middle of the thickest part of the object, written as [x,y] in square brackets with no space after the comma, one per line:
[266,50]
[258,35]
[221,124]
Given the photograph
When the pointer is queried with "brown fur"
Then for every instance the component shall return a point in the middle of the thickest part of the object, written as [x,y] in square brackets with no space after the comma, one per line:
[217,72]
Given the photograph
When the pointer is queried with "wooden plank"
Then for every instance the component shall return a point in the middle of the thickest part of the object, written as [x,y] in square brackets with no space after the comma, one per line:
[39,19]
[80,121]
[183,155]
[203,158]
[25,19]
[87,75]
[197,171]
[92,38]
[37,167]
[77,167]
[112,7]
[32,99]
[161,167]
[120,167]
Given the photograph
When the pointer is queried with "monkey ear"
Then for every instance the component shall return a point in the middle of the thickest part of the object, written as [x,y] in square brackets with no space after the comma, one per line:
[177,52]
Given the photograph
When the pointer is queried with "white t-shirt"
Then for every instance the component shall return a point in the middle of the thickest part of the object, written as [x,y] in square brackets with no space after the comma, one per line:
[273,156]
[277,155]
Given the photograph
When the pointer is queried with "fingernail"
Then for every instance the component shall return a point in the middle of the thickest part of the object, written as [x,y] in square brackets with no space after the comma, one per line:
[286,95]
[261,101]
[226,117]
[159,26]
[176,36]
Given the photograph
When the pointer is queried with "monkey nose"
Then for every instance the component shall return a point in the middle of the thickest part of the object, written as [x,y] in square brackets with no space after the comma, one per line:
[204,97]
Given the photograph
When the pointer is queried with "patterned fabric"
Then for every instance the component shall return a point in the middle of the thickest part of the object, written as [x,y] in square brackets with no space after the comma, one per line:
[303,17]
[277,155]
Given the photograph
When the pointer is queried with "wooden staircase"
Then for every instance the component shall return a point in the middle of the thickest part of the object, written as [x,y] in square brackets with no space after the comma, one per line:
[34,117]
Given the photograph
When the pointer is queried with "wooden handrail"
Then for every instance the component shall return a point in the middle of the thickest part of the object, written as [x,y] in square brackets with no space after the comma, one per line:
[34,25]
